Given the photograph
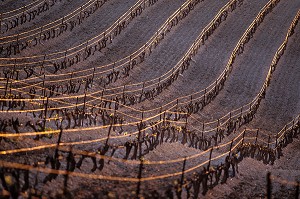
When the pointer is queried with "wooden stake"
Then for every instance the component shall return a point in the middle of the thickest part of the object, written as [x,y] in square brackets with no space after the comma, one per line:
[256,136]
[65,190]
[186,122]
[297,190]
[230,148]
[0,22]
[160,112]
[93,77]
[45,116]
[243,136]
[76,103]
[43,91]
[84,101]
[204,96]
[6,85]
[43,67]
[58,142]
[40,37]
[108,134]
[139,138]
[182,175]
[269,186]
[138,189]
[124,100]
[210,155]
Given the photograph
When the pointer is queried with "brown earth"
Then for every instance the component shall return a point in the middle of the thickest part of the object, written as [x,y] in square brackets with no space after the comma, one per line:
[280,106]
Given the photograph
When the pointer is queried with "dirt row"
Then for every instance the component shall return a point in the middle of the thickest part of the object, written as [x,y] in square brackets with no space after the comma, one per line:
[213,56]
[53,13]
[247,78]
[282,103]
[9,5]
[279,107]
[136,34]
[91,27]
[172,48]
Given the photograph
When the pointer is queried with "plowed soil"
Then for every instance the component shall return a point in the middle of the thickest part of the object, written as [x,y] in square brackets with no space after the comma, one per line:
[280,105]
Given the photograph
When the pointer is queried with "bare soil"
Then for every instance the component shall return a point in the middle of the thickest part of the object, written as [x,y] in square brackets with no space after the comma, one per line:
[280,106]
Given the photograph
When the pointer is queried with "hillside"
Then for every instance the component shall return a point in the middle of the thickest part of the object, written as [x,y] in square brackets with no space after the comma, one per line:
[149,99]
